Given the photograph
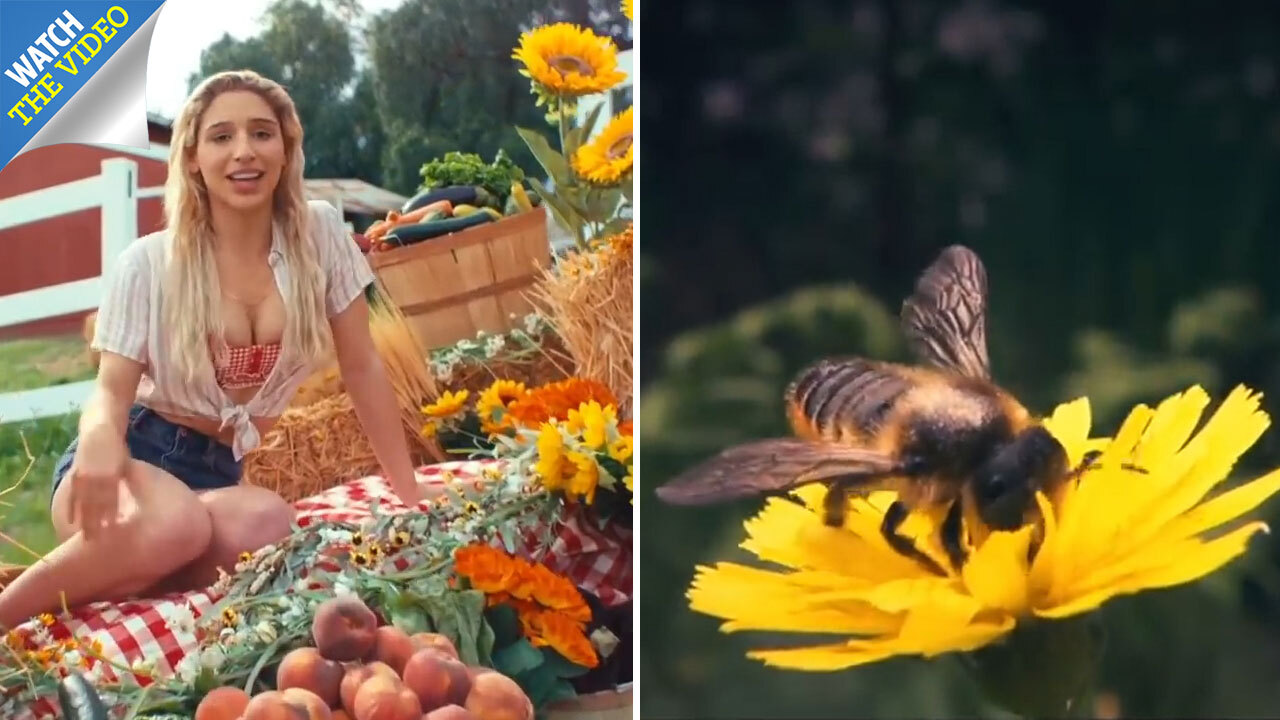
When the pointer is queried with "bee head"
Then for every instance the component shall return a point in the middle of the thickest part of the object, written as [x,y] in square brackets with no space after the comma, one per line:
[1005,485]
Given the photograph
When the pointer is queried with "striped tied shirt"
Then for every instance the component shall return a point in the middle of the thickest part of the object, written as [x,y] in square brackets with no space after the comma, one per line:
[130,323]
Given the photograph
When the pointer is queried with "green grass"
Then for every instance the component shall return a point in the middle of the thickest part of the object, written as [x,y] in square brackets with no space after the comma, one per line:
[24,511]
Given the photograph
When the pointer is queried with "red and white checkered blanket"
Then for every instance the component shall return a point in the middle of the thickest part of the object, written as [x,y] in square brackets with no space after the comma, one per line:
[597,561]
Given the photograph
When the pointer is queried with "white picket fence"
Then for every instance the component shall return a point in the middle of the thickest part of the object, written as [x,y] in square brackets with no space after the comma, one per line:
[115,191]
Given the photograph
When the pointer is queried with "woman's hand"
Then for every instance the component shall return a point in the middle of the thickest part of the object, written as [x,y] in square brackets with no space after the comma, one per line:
[98,468]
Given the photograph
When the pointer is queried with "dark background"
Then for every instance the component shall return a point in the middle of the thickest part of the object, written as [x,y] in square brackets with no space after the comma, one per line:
[1115,164]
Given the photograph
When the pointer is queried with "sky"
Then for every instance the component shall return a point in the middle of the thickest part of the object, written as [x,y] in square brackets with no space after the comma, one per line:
[187,27]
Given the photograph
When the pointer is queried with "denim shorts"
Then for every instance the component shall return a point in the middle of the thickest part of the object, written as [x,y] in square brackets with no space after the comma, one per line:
[196,459]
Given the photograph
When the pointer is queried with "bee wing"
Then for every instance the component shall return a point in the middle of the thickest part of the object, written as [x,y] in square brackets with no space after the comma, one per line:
[774,465]
[945,320]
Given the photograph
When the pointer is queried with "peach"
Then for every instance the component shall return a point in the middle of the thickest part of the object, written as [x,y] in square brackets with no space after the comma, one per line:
[437,679]
[392,646]
[495,696]
[306,668]
[224,703]
[271,705]
[380,698]
[474,670]
[315,706]
[343,628]
[356,676]
[433,640]
[450,712]
[340,715]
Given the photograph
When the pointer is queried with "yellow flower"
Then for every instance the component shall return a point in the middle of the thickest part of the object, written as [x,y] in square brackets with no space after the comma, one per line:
[628,9]
[608,157]
[230,616]
[450,403]
[592,422]
[1135,520]
[494,400]
[568,60]
[47,619]
[550,456]
[586,475]
[430,429]
[628,482]
[621,449]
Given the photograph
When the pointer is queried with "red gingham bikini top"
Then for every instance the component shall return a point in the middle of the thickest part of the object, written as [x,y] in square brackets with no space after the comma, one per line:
[247,366]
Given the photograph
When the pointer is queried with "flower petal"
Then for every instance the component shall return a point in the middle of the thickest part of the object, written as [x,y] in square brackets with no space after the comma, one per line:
[754,599]
[996,574]
[1223,508]
[1166,566]
[1070,424]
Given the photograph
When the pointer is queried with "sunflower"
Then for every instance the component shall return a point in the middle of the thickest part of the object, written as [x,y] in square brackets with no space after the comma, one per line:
[621,448]
[492,404]
[584,475]
[550,464]
[592,421]
[628,9]
[607,158]
[450,403]
[1135,520]
[568,61]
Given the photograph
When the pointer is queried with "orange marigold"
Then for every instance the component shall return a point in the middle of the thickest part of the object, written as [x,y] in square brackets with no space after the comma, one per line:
[566,637]
[553,401]
[490,570]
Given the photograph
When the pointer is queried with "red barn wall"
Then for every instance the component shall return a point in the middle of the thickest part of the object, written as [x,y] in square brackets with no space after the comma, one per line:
[67,247]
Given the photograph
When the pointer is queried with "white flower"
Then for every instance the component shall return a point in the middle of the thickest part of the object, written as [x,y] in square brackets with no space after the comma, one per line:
[179,618]
[228,636]
[142,666]
[334,536]
[188,668]
[41,636]
[342,587]
[72,659]
[265,631]
[212,657]
[493,345]
[531,323]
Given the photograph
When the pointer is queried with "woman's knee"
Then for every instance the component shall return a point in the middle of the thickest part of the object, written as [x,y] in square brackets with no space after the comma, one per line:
[250,519]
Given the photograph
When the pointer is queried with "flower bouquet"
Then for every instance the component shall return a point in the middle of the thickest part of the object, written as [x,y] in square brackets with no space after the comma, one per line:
[466,574]
[591,179]
[566,436]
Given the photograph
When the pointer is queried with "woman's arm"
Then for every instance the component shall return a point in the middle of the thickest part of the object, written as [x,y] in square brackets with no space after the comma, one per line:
[100,462]
[374,398]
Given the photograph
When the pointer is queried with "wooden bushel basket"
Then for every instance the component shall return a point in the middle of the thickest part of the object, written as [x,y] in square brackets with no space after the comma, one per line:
[452,287]
[607,705]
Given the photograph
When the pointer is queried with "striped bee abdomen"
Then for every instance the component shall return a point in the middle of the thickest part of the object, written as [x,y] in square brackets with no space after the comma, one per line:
[844,399]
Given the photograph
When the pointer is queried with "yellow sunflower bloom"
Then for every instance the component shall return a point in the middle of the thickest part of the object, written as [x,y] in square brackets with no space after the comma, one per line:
[492,404]
[628,9]
[621,448]
[586,475]
[1135,520]
[450,403]
[591,421]
[568,60]
[607,158]
[551,460]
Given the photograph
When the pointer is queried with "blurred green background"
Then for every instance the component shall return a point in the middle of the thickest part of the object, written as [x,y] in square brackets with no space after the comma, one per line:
[1115,164]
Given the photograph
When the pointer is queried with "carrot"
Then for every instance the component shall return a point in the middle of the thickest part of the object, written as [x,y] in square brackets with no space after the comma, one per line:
[413,217]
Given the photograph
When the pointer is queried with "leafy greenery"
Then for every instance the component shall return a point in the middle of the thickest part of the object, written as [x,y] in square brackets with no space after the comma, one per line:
[459,168]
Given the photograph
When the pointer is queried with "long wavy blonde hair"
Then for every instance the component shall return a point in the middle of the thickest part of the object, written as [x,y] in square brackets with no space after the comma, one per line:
[192,291]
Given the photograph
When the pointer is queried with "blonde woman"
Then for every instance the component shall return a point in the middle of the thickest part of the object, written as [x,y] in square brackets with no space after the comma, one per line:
[206,330]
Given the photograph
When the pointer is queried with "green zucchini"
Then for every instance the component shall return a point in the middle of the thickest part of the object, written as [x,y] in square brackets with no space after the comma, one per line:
[410,234]
[79,700]
[455,194]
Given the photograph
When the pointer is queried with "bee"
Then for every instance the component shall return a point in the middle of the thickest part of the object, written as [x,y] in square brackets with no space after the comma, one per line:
[941,434]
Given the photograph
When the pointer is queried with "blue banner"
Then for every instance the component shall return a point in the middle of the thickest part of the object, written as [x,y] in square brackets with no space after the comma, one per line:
[52,50]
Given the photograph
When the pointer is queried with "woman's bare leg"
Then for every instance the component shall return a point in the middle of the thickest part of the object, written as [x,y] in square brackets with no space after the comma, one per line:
[244,518]
[163,526]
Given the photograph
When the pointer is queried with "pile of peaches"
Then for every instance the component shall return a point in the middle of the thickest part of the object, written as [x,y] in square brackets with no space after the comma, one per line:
[359,670]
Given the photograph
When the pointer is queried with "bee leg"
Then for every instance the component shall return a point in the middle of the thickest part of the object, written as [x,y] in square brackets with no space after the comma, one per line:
[893,518]
[952,536]
[834,504]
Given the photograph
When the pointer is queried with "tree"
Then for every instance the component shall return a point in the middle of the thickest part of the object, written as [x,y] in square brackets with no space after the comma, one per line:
[307,49]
